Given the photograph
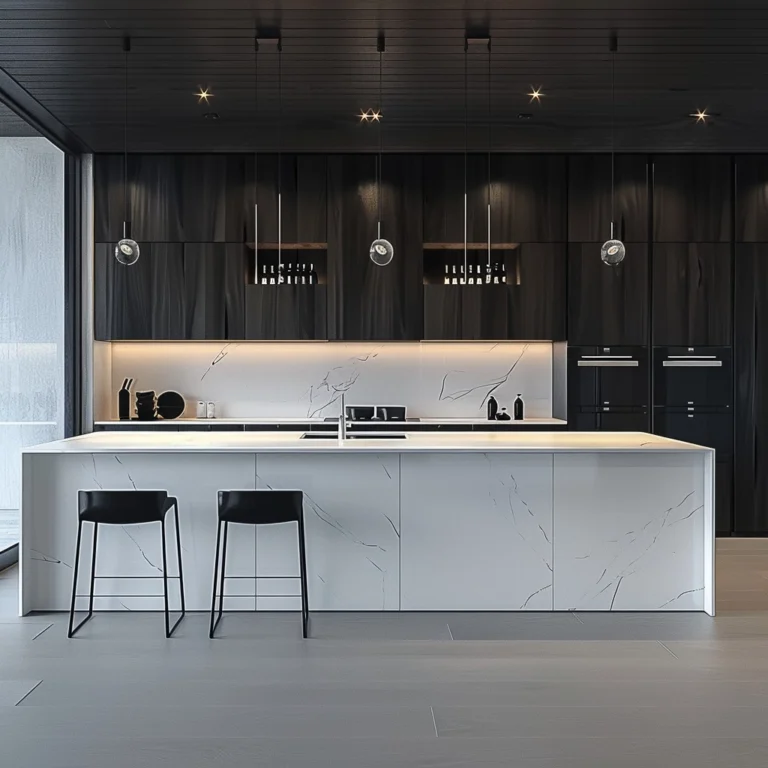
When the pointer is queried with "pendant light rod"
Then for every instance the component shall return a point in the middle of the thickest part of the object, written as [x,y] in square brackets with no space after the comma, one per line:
[381,45]
[256,160]
[280,160]
[489,158]
[466,141]
[614,45]
[126,219]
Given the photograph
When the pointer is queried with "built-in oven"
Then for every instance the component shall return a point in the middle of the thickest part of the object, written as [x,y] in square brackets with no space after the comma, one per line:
[607,377]
[698,377]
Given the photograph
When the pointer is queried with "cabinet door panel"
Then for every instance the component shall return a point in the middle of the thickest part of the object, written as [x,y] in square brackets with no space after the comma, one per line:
[751,198]
[367,301]
[692,198]
[607,306]
[528,199]
[285,312]
[536,292]
[589,198]
[750,507]
[691,294]
[724,497]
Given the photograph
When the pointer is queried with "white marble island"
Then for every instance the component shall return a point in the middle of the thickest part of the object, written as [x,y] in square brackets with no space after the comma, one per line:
[454,522]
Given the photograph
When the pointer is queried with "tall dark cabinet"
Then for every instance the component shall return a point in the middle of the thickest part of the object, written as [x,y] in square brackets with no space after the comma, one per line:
[367,301]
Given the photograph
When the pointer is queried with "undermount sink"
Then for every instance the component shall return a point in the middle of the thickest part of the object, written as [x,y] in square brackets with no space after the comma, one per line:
[356,436]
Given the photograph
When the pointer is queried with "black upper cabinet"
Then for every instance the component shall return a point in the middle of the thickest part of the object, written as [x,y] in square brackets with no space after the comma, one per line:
[692,198]
[174,291]
[530,306]
[367,301]
[285,312]
[751,198]
[528,200]
[303,184]
[750,507]
[691,294]
[607,306]
[171,198]
[589,198]
[143,301]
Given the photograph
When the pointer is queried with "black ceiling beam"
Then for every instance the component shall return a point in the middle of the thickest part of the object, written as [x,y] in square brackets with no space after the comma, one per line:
[18,100]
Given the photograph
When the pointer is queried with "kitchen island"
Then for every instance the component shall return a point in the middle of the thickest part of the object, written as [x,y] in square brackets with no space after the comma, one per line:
[454,522]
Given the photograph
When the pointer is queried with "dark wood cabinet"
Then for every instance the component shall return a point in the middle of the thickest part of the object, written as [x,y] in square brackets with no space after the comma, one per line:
[176,292]
[285,312]
[171,198]
[530,306]
[691,294]
[143,301]
[607,305]
[589,198]
[750,508]
[367,301]
[751,177]
[692,198]
[528,199]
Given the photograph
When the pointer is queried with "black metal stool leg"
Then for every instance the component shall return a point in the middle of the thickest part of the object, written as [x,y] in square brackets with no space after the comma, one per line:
[73,630]
[178,554]
[304,588]
[212,626]
[168,629]
[222,576]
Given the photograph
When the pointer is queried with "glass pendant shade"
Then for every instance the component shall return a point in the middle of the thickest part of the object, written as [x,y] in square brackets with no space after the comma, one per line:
[613,252]
[381,252]
[127,252]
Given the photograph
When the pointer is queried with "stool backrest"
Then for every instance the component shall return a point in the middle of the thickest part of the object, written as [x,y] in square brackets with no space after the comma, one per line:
[123,507]
[260,507]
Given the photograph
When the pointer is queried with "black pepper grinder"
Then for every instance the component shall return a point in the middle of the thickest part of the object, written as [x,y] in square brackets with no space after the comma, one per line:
[518,408]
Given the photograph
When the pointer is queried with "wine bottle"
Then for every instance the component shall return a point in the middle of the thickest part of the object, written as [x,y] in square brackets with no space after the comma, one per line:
[272,279]
[454,279]
[447,278]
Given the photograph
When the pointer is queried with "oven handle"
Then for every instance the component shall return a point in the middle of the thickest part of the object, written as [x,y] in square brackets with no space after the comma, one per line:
[608,364]
[692,364]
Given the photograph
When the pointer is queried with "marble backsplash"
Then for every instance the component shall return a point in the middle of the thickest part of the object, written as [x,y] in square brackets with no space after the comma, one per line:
[306,380]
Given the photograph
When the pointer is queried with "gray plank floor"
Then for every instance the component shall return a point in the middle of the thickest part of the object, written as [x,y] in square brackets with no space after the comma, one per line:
[375,690]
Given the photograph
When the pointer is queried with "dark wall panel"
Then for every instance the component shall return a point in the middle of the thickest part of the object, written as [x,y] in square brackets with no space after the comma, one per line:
[692,198]
[367,301]
[607,305]
[589,198]
[751,175]
[286,312]
[692,294]
[751,394]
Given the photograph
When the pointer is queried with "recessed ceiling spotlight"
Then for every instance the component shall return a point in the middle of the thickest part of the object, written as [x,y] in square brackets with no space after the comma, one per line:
[365,115]
[700,115]
[370,115]
[203,95]
[536,94]
[211,116]
[524,115]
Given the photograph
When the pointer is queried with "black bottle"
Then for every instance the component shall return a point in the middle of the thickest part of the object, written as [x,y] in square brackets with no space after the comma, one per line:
[493,408]
[518,408]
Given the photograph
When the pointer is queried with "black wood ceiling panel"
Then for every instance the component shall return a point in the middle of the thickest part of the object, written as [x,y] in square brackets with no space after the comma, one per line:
[673,58]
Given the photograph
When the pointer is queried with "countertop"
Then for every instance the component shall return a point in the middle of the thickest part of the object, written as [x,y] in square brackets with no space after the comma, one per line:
[533,422]
[432,442]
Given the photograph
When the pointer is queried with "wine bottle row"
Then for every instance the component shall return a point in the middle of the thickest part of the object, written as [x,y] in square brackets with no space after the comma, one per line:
[476,274]
[288,274]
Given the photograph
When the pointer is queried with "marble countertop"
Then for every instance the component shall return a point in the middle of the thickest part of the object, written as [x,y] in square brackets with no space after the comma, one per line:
[533,422]
[430,442]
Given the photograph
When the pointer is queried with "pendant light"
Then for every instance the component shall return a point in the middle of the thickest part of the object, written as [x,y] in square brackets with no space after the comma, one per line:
[613,250]
[381,251]
[127,250]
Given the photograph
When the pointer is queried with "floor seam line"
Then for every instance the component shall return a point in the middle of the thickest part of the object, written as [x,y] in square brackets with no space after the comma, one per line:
[449,630]
[39,682]
[668,650]
[42,631]
[431,709]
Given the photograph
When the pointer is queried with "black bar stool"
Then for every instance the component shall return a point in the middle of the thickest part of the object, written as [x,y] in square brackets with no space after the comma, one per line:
[258,508]
[126,508]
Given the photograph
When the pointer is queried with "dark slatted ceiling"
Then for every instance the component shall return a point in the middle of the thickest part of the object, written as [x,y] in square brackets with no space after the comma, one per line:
[673,58]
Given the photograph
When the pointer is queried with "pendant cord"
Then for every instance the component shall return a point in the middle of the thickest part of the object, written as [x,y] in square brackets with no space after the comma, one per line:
[466,142]
[125,137]
[613,132]
[379,169]
[256,159]
[489,152]
[280,160]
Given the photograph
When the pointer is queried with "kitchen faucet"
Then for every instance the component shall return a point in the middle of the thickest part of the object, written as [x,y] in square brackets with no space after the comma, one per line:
[343,419]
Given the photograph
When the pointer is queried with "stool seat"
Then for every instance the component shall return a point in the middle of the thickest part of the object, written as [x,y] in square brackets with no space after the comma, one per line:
[260,507]
[124,507]
[252,507]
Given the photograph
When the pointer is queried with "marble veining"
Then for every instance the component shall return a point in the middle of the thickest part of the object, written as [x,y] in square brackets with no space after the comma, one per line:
[306,380]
